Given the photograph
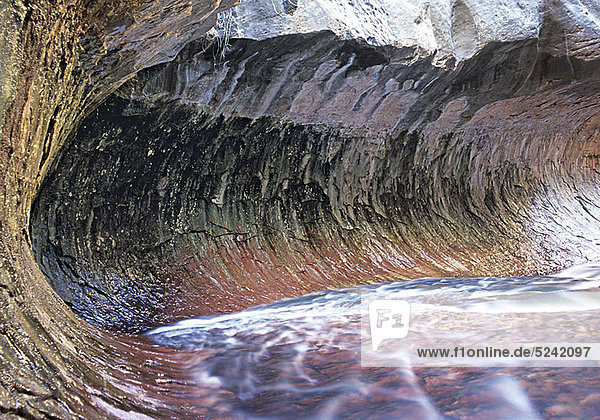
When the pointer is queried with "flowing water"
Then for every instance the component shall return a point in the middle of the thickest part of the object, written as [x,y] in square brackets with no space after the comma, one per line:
[302,356]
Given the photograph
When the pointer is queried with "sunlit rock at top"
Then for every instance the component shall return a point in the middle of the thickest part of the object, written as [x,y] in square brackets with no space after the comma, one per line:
[450,28]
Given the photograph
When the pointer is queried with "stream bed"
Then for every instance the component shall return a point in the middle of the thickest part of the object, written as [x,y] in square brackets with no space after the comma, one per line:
[301,356]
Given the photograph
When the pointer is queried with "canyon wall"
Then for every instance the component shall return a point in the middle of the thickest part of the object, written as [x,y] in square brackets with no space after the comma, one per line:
[290,161]
[304,162]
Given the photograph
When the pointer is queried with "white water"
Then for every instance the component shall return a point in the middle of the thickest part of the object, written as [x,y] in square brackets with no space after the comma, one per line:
[291,338]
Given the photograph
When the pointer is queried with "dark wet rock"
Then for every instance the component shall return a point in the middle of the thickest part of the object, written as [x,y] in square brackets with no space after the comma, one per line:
[162,208]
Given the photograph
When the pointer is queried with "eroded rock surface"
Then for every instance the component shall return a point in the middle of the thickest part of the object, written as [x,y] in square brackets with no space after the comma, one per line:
[487,167]
[448,29]
[304,162]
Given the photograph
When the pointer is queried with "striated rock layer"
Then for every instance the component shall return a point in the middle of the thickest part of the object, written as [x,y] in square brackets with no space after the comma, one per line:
[291,164]
[60,60]
[305,162]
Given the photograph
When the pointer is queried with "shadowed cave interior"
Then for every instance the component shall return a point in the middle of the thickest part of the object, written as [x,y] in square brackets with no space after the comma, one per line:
[164,207]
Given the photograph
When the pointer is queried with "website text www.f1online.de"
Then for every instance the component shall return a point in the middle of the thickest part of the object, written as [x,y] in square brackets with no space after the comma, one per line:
[534,352]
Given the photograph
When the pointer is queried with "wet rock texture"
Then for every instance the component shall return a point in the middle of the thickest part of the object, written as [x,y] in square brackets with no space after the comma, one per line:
[474,171]
[305,162]
[56,66]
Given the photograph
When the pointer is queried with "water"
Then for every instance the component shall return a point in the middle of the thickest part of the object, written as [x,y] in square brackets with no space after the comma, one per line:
[301,357]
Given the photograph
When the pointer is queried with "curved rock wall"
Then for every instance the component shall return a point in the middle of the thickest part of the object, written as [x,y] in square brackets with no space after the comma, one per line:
[58,68]
[337,163]
[62,59]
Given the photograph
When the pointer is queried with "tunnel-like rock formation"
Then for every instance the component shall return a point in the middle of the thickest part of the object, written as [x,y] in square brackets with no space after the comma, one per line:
[312,177]
[153,173]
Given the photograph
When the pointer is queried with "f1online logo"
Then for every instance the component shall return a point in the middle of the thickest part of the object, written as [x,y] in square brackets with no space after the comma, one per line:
[388,318]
